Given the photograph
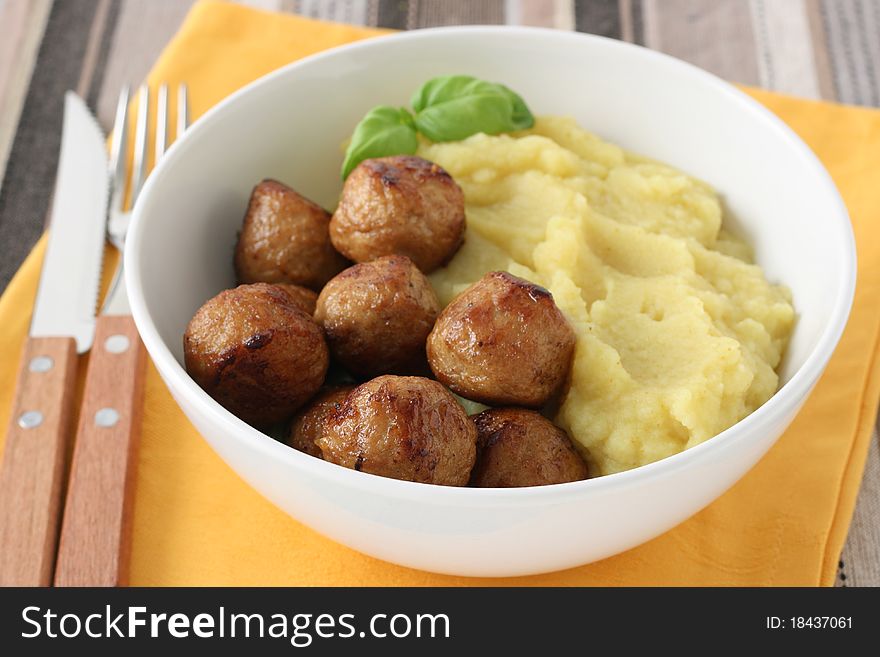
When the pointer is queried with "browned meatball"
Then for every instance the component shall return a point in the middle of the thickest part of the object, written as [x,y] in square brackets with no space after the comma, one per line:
[404,427]
[308,425]
[516,447]
[502,342]
[285,239]
[302,297]
[400,205]
[377,316]
[256,353]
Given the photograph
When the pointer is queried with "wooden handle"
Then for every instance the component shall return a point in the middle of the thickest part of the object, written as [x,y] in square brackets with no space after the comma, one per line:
[95,534]
[32,472]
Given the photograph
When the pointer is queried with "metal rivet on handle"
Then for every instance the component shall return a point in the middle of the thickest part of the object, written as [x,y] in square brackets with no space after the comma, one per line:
[41,364]
[117,344]
[106,417]
[30,419]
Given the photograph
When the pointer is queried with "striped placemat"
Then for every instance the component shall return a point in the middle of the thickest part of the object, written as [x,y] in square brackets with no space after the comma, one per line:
[813,48]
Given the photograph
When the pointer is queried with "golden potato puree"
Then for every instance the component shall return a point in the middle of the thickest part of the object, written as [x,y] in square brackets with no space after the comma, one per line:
[678,332]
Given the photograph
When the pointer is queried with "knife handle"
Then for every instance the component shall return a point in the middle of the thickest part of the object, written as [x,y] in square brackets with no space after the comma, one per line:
[32,471]
[95,538]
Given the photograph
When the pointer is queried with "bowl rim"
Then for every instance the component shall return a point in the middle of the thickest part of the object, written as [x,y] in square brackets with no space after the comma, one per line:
[783,402]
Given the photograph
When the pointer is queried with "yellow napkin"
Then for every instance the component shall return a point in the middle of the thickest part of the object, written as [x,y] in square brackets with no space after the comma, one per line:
[197,523]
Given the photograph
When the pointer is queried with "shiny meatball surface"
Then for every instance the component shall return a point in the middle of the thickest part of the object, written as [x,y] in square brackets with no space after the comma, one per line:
[502,342]
[302,297]
[399,205]
[403,427]
[308,424]
[254,351]
[377,316]
[285,239]
[518,447]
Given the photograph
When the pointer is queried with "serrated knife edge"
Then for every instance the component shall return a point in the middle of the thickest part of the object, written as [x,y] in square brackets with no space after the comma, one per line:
[66,302]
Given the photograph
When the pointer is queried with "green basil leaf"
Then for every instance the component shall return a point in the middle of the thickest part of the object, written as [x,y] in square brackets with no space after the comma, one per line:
[453,107]
[383,131]
[522,116]
[462,117]
[447,87]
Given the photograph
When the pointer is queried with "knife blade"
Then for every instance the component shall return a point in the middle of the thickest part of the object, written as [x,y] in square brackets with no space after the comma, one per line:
[68,292]
[62,325]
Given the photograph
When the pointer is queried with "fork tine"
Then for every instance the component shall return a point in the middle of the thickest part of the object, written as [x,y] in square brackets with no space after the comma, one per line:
[140,143]
[161,123]
[182,109]
[119,145]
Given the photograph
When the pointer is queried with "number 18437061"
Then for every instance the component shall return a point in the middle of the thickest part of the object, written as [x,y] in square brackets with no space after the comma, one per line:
[809,623]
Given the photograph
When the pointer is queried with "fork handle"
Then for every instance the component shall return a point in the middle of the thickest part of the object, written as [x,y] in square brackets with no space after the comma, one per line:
[32,472]
[95,538]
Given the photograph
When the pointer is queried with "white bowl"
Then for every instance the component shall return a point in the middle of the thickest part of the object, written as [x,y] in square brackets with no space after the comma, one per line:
[289,125]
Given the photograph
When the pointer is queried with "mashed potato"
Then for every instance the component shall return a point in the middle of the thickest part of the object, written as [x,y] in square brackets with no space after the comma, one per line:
[679,334]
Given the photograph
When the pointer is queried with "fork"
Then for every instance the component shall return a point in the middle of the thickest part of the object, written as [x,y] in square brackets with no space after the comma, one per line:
[94,542]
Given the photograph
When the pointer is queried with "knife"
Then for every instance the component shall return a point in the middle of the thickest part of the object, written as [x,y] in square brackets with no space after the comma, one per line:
[62,325]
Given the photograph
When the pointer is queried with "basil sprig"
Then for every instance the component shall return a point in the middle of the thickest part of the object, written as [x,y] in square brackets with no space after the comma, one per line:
[457,106]
[447,108]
